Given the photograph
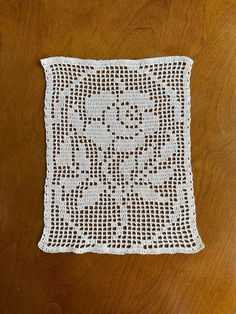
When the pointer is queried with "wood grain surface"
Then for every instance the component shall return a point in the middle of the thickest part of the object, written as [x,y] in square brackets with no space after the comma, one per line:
[35,282]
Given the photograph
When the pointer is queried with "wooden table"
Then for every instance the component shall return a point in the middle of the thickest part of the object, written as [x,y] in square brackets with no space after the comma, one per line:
[35,282]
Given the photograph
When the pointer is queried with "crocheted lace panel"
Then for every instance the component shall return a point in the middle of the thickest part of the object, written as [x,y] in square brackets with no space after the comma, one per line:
[119,175]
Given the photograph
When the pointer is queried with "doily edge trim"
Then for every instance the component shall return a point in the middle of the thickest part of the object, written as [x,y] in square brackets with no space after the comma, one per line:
[144,61]
[59,249]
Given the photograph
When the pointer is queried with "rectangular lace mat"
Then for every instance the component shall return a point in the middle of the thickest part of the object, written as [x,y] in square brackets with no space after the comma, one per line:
[119,176]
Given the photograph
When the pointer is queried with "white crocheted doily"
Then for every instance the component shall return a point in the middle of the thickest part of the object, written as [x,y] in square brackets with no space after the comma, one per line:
[119,176]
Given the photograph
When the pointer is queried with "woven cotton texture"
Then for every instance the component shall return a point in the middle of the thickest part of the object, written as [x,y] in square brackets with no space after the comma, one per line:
[119,176]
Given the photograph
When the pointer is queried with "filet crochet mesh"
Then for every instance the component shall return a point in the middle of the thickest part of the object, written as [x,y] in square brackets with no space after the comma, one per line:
[119,176]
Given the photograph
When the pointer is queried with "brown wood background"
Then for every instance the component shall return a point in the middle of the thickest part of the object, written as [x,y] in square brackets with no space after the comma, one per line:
[36,282]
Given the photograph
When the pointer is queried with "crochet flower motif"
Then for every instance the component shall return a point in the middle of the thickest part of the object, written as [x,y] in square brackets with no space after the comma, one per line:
[121,121]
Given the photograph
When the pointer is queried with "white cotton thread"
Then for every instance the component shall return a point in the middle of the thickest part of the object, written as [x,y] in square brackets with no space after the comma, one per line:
[119,178]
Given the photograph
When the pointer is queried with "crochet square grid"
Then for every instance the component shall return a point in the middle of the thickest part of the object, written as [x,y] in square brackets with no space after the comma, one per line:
[119,176]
